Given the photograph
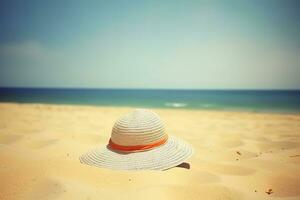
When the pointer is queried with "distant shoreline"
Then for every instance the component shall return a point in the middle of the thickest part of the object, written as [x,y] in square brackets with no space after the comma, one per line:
[154,108]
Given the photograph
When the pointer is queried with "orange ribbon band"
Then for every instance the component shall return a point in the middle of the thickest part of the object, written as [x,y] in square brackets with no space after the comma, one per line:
[137,147]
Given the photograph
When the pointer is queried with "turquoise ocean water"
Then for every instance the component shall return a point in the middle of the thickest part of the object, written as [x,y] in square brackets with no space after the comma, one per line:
[246,100]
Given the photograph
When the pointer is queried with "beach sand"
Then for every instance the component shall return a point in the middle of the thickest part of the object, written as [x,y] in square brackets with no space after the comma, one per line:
[238,155]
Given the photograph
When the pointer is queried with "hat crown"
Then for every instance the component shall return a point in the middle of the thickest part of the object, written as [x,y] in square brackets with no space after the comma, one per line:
[139,127]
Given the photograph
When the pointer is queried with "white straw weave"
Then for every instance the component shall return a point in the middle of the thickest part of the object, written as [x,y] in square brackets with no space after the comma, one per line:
[140,127]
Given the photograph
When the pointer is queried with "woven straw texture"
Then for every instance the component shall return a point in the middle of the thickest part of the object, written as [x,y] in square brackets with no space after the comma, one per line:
[140,127]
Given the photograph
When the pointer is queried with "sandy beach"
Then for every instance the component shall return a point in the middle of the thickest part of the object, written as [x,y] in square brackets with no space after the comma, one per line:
[238,155]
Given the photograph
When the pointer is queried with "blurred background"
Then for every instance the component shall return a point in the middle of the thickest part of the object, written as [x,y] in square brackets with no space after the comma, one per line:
[215,46]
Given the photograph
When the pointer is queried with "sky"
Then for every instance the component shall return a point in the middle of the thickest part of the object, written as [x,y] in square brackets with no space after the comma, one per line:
[208,44]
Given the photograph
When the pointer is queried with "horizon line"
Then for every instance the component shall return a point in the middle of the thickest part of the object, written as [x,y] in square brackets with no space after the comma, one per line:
[175,89]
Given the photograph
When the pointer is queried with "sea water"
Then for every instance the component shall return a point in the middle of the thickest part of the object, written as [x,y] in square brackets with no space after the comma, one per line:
[246,100]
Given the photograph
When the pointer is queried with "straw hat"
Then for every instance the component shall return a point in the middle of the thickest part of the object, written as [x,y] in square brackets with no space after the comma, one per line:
[139,142]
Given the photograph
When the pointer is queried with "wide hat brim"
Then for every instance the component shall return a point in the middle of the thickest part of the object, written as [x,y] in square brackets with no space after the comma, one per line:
[168,155]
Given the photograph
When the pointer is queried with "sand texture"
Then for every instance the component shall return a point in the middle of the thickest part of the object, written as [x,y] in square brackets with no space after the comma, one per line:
[238,155]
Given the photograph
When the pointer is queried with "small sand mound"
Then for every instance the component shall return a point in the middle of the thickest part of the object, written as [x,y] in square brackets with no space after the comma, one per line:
[42,143]
[232,155]
[284,186]
[9,139]
[45,189]
[267,146]
[227,143]
[227,169]
[90,139]
[187,192]
[202,177]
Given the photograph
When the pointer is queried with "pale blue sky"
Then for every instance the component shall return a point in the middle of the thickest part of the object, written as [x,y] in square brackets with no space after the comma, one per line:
[208,44]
